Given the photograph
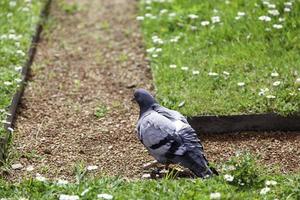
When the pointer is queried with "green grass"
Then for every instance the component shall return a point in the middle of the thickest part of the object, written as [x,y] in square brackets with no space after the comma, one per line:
[248,182]
[18,20]
[244,51]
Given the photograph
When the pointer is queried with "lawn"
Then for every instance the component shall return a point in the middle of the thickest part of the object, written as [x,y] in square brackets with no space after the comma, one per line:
[18,21]
[222,57]
[241,179]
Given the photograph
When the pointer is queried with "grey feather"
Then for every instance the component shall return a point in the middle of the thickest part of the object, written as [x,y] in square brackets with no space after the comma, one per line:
[170,114]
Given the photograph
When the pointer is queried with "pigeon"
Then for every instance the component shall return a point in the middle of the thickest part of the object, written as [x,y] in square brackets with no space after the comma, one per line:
[168,136]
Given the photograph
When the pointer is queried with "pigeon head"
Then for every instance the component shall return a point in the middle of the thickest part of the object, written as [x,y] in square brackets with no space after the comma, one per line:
[144,99]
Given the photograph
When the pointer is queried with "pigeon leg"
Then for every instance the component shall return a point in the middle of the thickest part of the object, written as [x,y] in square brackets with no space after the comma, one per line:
[150,164]
[167,166]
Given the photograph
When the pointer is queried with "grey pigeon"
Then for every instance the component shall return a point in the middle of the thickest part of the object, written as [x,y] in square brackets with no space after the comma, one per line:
[168,136]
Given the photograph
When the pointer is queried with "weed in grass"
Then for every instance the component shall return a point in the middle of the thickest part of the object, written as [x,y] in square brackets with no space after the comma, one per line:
[69,8]
[77,84]
[48,27]
[45,169]
[243,170]
[101,111]
[128,32]
[98,57]
[123,57]
[104,25]
[172,174]
[79,171]
[32,155]
[116,104]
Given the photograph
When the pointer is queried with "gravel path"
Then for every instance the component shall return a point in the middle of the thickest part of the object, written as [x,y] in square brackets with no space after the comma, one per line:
[87,60]
[94,58]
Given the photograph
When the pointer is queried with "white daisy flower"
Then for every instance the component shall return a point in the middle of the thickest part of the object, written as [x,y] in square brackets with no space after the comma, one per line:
[274,12]
[157,40]
[175,39]
[271,182]
[105,196]
[212,74]
[18,68]
[172,14]
[215,19]
[193,28]
[277,26]
[20,52]
[154,55]
[40,178]
[163,11]
[264,190]
[205,23]
[271,97]
[68,197]
[287,10]
[241,84]
[62,182]
[25,9]
[149,15]
[265,18]
[215,195]
[288,4]
[195,72]
[158,50]
[7,83]
[184,68]
[274,74]
[266,3]
[140,18]
[9,15]
[231,168]
[193,16]
[228,177]
[271,6]
[241,14]
[226,73]
[150,50]
[12,4]
[215,10]
[276,83]
[263,91]
[172,66]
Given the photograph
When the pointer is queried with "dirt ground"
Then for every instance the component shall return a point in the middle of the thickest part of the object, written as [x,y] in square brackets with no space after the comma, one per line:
[94,58]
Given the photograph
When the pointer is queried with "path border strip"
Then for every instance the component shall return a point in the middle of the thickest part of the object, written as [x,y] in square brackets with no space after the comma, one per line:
[237,123]
[12,111]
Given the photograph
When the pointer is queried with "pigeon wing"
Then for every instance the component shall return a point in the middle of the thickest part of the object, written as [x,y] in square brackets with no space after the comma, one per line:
[194,157]
[170,114]
[159,136]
